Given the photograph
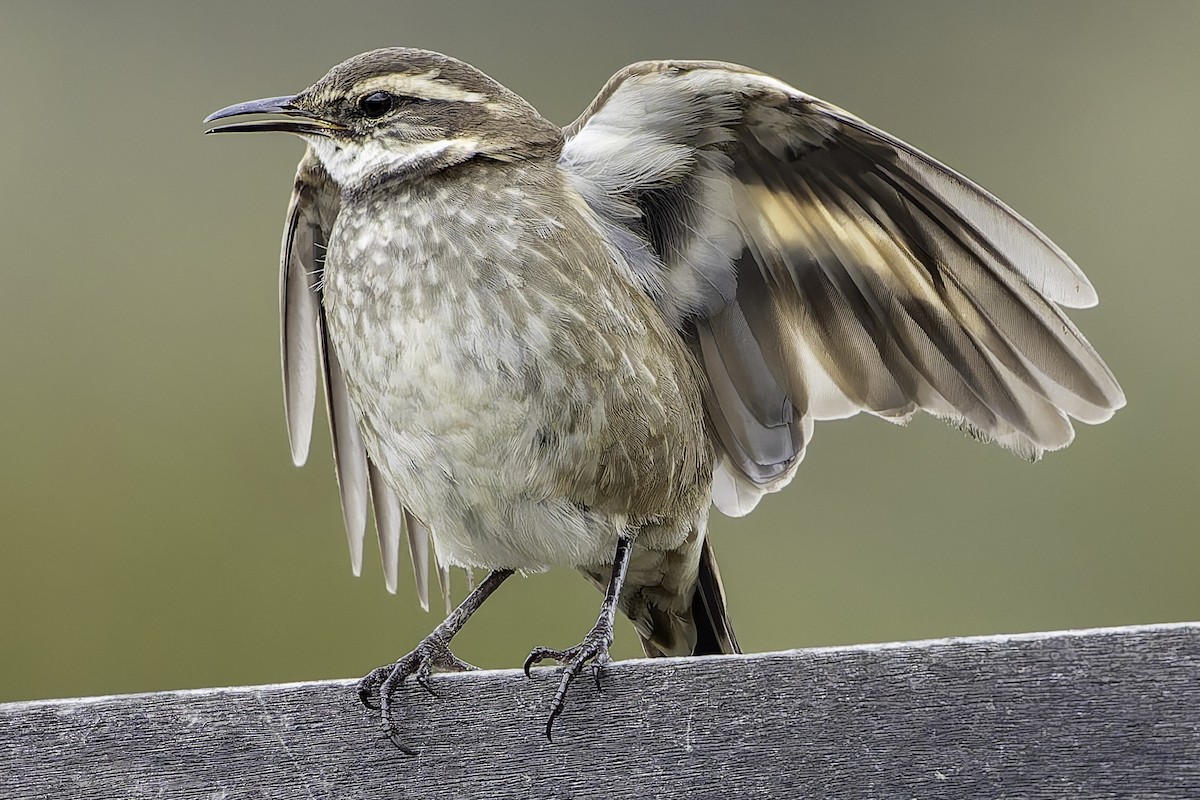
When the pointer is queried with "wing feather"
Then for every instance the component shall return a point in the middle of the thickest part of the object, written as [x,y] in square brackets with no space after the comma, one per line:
[824,267]
[303,237]
[307,355]
[349,454]
[418,550]
[389,521]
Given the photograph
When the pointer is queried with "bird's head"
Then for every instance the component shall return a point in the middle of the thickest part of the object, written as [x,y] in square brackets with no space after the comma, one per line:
[398,112]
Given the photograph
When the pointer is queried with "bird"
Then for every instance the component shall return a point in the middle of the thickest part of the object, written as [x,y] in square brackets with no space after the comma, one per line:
[548,347]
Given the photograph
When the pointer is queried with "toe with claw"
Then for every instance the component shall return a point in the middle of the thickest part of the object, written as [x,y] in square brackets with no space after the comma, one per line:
[592,650]
[594,647]
[432,653]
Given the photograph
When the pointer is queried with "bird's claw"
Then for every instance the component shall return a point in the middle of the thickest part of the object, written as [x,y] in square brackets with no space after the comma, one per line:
[432,653]
[593,649]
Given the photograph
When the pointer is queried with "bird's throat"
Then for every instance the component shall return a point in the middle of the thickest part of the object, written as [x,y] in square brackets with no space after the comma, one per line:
[355,166]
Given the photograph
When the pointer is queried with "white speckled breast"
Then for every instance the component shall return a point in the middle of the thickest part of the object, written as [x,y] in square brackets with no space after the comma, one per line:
[445,303]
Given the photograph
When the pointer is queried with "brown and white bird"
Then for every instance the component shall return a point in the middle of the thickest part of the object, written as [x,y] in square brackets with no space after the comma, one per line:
[548,347]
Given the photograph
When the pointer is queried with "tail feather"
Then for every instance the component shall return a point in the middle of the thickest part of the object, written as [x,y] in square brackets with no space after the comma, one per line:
[709,616]
[714,630]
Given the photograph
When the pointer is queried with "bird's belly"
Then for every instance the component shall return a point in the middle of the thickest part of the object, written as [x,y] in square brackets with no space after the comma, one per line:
[452,430]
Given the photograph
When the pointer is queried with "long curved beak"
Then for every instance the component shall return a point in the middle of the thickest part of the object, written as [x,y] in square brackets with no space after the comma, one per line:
[285,117]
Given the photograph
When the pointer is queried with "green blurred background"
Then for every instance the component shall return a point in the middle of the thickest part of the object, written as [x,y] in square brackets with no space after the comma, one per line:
[155,535]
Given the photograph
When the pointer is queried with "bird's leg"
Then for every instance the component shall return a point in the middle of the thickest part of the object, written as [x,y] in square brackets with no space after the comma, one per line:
[432,652]
[595,644]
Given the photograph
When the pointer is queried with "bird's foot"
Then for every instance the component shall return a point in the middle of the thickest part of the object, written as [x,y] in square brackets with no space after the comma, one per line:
[593,649]
[432,653]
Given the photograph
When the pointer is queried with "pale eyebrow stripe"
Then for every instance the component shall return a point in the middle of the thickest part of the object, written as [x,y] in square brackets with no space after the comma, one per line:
[424,86]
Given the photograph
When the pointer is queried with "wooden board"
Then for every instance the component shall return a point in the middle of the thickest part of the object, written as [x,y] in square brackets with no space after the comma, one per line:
[1085,714]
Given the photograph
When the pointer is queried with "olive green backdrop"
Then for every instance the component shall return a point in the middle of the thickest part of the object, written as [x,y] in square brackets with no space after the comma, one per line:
[154,535]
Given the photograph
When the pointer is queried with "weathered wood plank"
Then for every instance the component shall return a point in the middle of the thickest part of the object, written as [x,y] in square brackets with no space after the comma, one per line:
[1088,714]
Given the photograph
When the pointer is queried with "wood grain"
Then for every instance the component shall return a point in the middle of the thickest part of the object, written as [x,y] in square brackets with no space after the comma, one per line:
[1081,714]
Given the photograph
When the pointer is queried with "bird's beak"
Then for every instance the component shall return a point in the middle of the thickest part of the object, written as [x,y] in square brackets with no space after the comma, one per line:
[285,116]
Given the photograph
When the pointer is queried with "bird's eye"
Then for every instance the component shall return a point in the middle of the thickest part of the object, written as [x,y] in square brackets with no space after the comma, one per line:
[376,104]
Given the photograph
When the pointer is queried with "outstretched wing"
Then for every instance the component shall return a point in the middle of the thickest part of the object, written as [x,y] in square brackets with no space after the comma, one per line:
[822,267]
[308,357]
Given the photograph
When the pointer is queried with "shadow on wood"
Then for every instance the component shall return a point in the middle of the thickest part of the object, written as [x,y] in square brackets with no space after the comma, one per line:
[1103,713]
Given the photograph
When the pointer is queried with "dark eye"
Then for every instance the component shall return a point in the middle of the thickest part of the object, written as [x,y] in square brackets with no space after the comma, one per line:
[376,104]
